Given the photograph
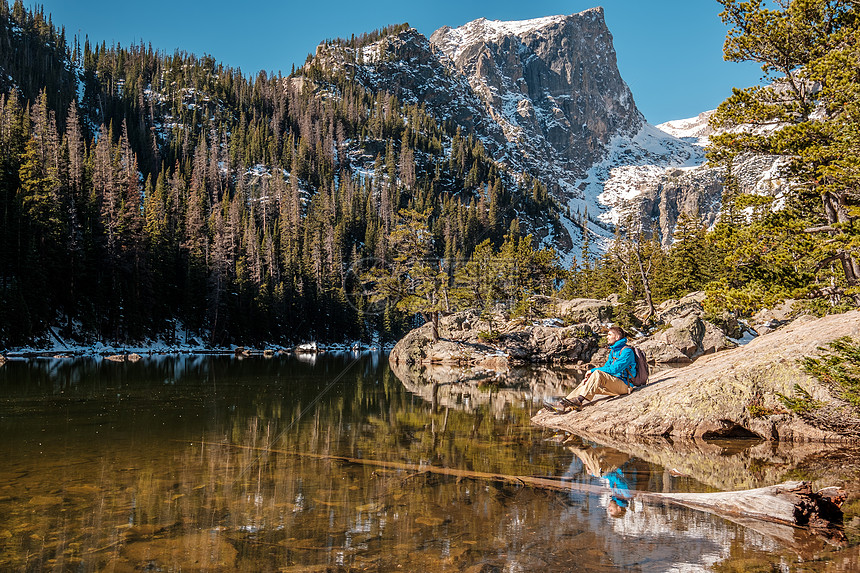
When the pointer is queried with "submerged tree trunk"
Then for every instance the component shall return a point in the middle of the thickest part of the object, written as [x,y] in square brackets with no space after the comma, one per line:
[791,503]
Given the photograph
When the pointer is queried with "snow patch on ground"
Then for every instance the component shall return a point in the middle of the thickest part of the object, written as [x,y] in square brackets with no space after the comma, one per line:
[179,341]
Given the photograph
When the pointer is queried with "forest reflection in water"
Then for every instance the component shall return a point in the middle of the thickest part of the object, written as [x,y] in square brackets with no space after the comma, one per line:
[219,464]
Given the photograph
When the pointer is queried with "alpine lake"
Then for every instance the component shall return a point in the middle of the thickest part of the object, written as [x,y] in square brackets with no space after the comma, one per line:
[331,462]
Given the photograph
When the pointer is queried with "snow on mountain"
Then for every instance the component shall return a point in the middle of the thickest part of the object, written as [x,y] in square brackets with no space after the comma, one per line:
[662,172]
[552,86]
[631,162]
[454,41]
[632,166]
[695,129]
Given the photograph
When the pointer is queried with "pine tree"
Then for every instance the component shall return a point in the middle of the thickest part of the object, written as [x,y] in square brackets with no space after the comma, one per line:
[688,257]
[479,281]
[413,283]
[638,254]
[199,240]
[807,48]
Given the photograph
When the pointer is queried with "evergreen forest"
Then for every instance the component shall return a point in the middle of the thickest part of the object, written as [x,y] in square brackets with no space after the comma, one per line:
[146,194]
[141,191]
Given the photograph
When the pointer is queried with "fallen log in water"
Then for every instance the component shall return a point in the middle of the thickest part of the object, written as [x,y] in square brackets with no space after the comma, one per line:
[791,503]
[777,511]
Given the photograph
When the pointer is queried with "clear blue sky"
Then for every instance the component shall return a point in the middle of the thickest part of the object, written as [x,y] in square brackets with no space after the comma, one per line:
[669,51]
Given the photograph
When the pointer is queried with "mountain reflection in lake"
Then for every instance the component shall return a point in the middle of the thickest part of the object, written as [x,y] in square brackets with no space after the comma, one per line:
[220,464]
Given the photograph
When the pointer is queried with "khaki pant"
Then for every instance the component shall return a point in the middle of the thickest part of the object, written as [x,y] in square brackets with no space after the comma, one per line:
[599,383]
[600,461]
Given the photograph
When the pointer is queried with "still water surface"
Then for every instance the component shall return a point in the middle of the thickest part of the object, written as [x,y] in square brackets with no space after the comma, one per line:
[212,463]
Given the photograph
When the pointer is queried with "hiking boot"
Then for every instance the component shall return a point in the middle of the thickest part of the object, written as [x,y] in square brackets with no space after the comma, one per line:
[574,404]
[551,406]
[565,406]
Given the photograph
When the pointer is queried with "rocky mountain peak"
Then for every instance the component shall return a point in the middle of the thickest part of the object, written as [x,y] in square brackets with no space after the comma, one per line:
[551,84]
[407,66]
[453,41]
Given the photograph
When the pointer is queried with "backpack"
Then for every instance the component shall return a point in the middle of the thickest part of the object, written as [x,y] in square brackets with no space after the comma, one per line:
[642,372]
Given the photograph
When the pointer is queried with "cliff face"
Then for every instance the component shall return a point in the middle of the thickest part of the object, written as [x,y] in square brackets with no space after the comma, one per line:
[698,189]
[545,97]
[551,84]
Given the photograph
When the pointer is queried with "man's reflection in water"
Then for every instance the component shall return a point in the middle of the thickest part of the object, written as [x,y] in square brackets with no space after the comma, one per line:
[607,465]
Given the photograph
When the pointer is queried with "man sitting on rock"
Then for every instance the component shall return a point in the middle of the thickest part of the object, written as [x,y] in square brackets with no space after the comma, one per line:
[612,379]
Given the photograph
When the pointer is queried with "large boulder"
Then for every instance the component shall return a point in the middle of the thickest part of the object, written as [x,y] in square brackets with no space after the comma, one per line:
[769,319]
[466,324]
[782,312]
[685,334]
[600,355]
[547,343]
[732,393]
[583,310]
[690,305]
[418,347]
[728,323]
[714,339]
[661,352]
[690,336]
[469,338]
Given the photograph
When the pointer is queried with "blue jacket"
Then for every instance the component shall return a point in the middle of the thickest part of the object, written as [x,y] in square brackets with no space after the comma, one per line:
[621,362]
[620,488]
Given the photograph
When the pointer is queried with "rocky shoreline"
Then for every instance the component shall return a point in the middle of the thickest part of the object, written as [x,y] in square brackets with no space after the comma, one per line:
[735,393]
[133,352]
[569,333]
[715,389]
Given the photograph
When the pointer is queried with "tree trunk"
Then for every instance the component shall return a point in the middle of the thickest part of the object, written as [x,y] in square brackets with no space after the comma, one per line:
[791,503]
[837,212]
[432,319]
[444,288]
[646,282]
